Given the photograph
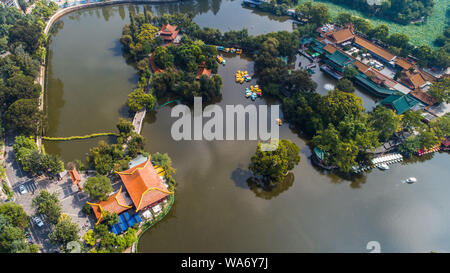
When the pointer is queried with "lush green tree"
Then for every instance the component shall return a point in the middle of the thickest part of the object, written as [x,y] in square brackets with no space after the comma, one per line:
[411,119]
[410,146]
[273,165]
[345,85]
[27,33]
[162,57]
[441,126]
[15,214]
[164,161]
[98,187]
[110,219]
[399,40]
[105,158]
[12,240]
[135,145]
[385,121]
[89,238]
[350,72]
[125,127]
[317,13]
[337,105]
[428,139]
[48,204]
[380,32]
[138,99]
[24,117]
[441,90]
[65,231]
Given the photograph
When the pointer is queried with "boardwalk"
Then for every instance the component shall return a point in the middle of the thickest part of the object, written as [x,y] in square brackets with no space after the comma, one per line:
[138,119]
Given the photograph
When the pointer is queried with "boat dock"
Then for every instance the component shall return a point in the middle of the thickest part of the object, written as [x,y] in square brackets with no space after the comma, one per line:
[377,161]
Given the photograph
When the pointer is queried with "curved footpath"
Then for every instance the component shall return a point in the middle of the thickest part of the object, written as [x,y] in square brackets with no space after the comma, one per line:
[41,79]
[58,14]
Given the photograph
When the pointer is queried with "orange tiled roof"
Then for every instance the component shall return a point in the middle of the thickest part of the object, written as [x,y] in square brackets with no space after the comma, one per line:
[424,97]
[168,32]
[403,63]
[330,48]
[74,176]
[203,71]
[361,67]
[115,203]
[144,185]
[412,80]
[374,48]
[342,35]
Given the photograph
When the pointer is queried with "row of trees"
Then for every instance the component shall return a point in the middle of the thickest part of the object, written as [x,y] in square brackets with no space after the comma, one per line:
[22,35]
[401,11]
[13,223]
[63,229]
[33,161]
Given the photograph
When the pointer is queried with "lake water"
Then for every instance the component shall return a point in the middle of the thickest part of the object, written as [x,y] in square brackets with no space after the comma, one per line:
[216,208]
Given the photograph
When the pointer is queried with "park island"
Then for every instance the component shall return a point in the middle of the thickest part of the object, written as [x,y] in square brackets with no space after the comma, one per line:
[90,158]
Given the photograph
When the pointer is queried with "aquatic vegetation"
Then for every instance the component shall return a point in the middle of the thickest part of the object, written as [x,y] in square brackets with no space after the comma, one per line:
[421,33]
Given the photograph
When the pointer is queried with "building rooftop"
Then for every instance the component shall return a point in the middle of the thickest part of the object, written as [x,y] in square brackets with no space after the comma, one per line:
[329,48]
[116,203]
[403,63]
[374,48]
[423,97]
[341,35]
[168,32]
[203,71]
[144,185]
[399,103]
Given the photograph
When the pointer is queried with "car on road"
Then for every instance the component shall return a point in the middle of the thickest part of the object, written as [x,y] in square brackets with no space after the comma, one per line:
[22,189]
[38,221]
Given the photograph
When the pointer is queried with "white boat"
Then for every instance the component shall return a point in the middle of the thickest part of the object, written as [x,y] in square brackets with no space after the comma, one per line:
[383,166]
[411,180]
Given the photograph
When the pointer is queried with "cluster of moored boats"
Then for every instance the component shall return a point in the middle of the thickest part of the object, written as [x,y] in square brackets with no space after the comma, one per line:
[220,60]
[253,92]
[381,162]
[229,49]
[242,76]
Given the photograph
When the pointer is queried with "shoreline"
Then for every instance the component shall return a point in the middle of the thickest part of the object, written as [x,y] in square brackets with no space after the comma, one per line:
[41,79]
[57,15]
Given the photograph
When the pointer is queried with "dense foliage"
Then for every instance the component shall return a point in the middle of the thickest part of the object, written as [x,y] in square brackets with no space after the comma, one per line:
[13,222]
[33,161]
[23,44]
[274,165]
[98,187]
[402,11]
[48,205]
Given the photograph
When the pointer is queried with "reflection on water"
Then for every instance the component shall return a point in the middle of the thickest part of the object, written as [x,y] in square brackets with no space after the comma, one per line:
[218,206]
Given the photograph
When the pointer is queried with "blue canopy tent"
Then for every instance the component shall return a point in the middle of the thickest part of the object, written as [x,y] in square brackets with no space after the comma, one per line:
[137,217]
[115,229]
[130,220]
[123,223]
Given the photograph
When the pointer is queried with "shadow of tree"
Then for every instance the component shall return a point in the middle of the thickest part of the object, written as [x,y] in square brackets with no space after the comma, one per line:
[267,189]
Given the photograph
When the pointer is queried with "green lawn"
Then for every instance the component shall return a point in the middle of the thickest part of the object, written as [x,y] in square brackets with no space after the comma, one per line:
[418,34]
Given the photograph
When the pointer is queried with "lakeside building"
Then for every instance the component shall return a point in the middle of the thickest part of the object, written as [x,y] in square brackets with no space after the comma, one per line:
[145,189]
[400,103]
[169,34]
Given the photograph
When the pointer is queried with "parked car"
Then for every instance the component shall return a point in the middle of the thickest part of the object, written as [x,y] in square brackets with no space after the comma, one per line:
[38,221]
[22,189]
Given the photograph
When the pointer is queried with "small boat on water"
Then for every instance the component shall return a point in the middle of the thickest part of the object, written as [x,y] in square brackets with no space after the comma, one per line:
[383,166]
[411,180]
